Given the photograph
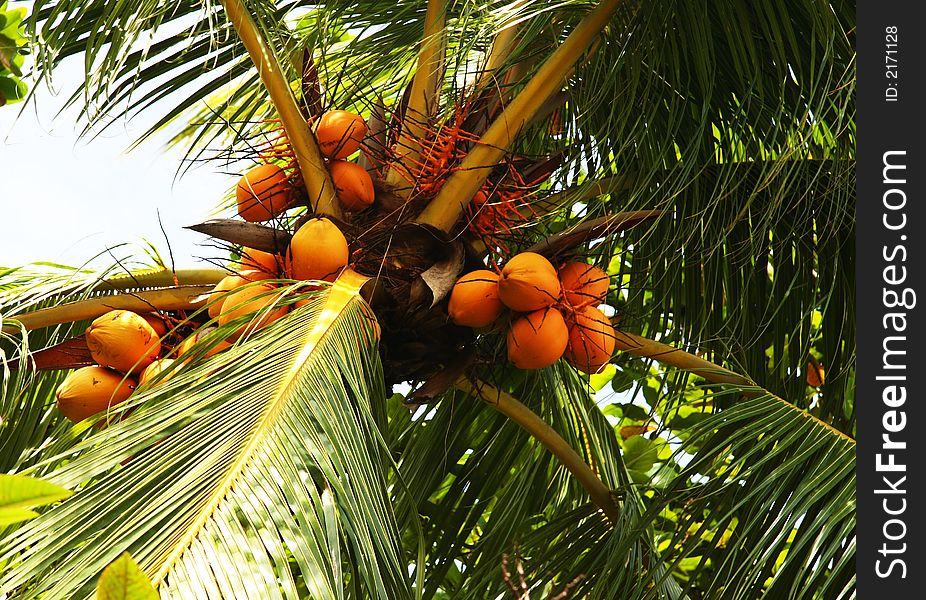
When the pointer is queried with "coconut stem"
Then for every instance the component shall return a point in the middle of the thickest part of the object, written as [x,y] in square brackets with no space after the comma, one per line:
[672,356]
[162,278]
[308,156]
[458,191]
[425,94]
[502,45]
[510,407]
[175,298]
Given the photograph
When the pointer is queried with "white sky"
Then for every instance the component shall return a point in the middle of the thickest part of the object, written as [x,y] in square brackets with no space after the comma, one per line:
[66,200]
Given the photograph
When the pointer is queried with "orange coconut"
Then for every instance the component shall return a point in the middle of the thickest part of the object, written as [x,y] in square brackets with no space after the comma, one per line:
[221,289]
[231,282]
[339,133]
[91,390]
[591,340]
[317,251]
[155,369]
[157,322]
[480,198]
[258,260]
[263,193]
[122,340]
[537,339]
[353,184]
[474,300]
[528,282]
[256,300]
[183,351]
[584,284]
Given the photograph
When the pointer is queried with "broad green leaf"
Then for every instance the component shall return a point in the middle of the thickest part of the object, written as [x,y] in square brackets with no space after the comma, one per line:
[623,380]
[19,494]
[124,580]
[8,51]
[599,380]
[16,515]
[631,411]
[640,454]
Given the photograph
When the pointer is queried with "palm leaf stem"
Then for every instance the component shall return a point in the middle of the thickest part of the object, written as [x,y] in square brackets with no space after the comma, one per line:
[669,355]
[456,193]
[345,289]
[425,92]
[163,278]
[502,44]
[186,297]
[317,181]
[153,278]
[509,406]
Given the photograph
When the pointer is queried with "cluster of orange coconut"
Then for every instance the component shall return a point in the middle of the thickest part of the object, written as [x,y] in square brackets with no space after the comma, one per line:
[549,313]
[318,251]
[266,191]
[126,346]
[555,312]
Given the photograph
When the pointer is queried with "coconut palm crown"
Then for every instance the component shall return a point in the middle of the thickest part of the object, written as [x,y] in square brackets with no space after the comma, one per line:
[700,154]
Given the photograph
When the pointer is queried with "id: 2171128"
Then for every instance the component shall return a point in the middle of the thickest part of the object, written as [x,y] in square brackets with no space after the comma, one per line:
[890,63]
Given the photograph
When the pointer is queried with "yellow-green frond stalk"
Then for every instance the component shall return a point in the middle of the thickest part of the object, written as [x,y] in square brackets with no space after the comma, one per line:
[447,208]
[317,181]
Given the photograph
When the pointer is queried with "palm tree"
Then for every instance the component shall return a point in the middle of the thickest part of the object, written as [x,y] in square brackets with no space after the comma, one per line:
[702,153]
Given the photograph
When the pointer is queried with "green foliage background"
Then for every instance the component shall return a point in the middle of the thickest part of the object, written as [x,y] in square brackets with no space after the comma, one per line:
[12,88]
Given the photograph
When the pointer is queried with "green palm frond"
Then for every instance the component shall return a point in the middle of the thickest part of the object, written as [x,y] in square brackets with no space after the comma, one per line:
[468,468]
[738,122]
[758,497]
[30,424]
[754,269]
[274,478]
[766,505]
[28,418]
[763,506]
[140,52]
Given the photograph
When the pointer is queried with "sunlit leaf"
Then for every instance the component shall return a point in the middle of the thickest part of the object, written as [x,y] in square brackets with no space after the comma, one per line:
[19,494]
[124,580]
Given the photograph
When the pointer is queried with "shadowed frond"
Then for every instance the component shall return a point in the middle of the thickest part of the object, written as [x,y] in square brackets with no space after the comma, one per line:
[766,505]
[468,468]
